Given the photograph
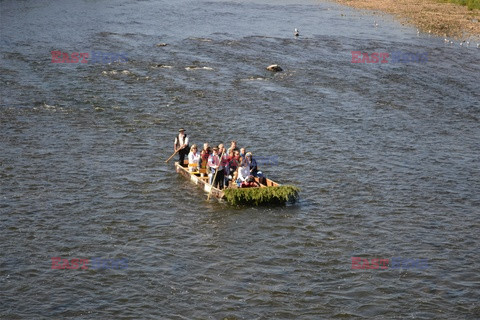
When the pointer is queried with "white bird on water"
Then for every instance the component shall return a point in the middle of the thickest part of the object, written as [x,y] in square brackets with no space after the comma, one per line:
[375,23]
[296,33]
[478,45]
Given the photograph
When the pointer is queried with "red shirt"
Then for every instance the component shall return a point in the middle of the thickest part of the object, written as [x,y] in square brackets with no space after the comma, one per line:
[248,184]
[234,161]
[205,156]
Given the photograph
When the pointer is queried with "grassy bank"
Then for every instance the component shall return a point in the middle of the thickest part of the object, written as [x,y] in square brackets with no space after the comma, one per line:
[471,4]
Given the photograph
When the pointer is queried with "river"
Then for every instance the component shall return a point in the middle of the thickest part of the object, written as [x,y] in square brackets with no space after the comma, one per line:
[386,156]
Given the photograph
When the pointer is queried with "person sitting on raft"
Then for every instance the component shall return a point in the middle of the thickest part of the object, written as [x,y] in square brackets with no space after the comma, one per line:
[206,152]
[243,173]
[249,183]
[252,163]
[193,159]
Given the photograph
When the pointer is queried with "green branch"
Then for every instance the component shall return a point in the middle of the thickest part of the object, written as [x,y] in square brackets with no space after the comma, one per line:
[261,196]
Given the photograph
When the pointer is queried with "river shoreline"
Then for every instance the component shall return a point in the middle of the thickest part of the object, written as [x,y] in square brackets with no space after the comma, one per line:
[443,19]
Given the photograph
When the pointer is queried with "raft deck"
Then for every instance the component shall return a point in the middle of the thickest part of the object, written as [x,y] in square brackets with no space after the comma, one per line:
[268,191]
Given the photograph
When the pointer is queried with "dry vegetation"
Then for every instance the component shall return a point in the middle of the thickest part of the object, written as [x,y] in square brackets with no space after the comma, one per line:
[432,16]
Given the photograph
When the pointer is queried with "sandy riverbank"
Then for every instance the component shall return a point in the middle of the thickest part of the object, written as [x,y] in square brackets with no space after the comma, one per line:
[428,15]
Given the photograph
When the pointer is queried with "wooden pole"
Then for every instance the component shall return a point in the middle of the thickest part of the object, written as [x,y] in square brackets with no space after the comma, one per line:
[173,155]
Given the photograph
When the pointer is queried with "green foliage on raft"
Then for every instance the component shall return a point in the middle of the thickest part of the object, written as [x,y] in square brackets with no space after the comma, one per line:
[471,4]
[261,196]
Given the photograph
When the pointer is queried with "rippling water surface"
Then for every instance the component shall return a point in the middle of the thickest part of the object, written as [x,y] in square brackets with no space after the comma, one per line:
[386,155]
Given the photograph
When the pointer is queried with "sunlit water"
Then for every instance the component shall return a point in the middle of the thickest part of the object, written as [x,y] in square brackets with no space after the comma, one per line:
[386,155]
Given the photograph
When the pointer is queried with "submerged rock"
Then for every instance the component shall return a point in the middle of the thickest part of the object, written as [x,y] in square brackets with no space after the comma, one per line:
[274,68]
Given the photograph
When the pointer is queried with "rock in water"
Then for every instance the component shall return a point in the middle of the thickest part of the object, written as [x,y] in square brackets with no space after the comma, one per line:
[274,68]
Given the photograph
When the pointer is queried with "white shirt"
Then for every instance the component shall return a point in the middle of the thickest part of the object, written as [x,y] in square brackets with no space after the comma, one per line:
[243,173]
[180,140]
[213,161]
[223,161]
[193,158]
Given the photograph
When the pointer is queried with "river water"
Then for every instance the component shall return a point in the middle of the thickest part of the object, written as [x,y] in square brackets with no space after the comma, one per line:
[386,156]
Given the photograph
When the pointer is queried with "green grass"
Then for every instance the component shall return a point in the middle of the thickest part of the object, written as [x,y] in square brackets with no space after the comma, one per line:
[261,196]
[471,4]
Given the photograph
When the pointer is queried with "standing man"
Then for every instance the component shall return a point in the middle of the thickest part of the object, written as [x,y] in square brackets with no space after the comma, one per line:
[223,161]
[216,169]
[233,147]
[181,144]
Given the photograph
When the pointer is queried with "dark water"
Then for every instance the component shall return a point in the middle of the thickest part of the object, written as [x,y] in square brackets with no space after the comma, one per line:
[386,155]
